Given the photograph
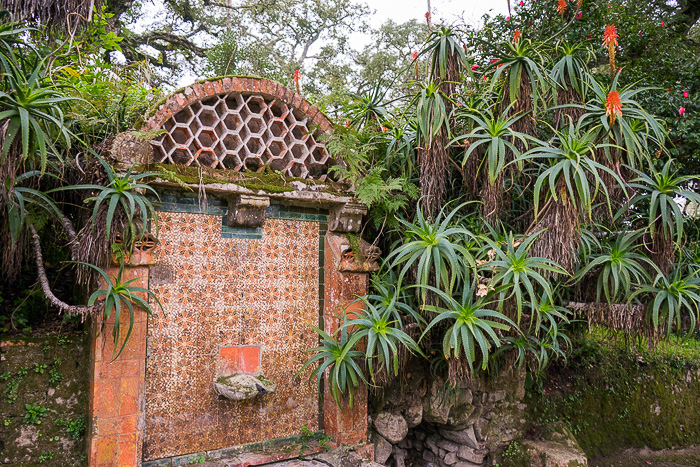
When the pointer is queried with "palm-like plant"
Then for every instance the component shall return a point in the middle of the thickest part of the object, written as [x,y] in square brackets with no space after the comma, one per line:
[496,134]
[125,191]
[384,336]
[386,294]
[568,71]
[661,190]
[443,47]
[368,108]
[434,247]
[632,125]
[472,325]
[672,297]
[572,169]
[32,111]
[517,275]
[339,357]
[117,295]
[621,268]
[521,63]
[431,111]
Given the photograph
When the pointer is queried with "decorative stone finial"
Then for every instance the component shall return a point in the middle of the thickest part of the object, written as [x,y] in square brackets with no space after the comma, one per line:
[247,211]
[347,218]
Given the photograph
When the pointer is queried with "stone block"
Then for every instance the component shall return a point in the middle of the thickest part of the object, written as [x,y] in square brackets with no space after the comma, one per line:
[391,426]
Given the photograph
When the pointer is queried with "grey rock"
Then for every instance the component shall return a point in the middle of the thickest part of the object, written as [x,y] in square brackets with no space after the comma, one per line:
[471,455]
[429,456]
[448,445]
[418,445]
[382,449]
[431,443]
[450,458]
[466,464]
[465,436]
[413,415]
[437,405]
[554,454]
[481,428]
[391,426]
[497,396]
[399,459]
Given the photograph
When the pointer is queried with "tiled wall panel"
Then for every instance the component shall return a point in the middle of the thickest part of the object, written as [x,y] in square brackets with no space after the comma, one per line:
[219,291]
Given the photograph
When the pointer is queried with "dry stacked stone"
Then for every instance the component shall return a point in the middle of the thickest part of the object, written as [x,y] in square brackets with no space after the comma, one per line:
[422,422]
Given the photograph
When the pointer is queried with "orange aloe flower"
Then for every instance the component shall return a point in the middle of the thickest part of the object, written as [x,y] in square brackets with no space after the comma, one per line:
[613,106]
[579,4]
[516,36]
[561,7]
[610,41]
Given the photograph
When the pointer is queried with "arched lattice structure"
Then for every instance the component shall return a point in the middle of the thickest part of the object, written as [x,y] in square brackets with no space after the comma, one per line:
[244,128]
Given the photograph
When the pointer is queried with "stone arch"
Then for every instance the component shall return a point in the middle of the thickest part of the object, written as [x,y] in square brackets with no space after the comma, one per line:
[241,123]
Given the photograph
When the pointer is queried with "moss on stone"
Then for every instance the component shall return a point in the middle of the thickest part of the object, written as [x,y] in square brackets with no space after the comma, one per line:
[266,181]
[515,455]
[614,396]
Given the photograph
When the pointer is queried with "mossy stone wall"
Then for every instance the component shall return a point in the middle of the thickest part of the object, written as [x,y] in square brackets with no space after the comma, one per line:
[615,396]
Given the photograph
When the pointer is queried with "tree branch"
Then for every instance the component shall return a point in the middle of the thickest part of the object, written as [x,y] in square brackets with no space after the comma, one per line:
[44,281]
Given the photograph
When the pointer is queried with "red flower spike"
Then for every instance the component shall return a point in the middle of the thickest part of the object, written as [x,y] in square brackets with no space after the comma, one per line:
[415,54]
[516,36]
[610,41]
[561,7]
[613,106]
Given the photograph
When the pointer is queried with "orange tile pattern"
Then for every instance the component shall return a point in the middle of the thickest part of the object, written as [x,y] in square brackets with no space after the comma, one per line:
[116,386]
[223,292]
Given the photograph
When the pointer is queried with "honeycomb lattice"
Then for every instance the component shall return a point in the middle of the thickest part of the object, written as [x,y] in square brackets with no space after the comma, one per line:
[237,131]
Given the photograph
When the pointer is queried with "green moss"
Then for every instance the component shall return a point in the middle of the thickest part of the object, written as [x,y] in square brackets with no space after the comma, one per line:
[267,181]
[615,396]
[515,455]
[49,373]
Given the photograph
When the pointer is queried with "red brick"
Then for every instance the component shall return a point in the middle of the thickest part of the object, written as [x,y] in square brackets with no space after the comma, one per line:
[218,86]
[199,90]
[129,395]
[255,85]
[181,101]
[116,425]
[304,106]
[107,395]
[127,450]
[226,83]
[209,88]
[103,452]
[236,84]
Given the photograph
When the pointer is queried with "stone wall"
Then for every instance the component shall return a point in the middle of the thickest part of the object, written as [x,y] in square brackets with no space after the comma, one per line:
[427,422]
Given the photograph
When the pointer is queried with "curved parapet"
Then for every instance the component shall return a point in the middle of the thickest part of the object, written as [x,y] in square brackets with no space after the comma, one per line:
[241,123]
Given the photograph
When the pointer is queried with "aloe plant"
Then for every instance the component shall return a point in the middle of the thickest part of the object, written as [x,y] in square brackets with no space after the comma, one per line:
[383,336]
[435,248]
[621,267]
[660,190]
[496,134]
[117,295]
[339,358]
[670,298]
[472,324]
[572,169]
[517,275]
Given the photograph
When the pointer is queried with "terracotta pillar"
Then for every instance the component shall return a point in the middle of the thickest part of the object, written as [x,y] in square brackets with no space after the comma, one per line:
[344,424]
[117,387]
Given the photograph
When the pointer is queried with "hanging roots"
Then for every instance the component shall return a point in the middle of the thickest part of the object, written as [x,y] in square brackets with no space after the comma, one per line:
[434,166]
[561,238]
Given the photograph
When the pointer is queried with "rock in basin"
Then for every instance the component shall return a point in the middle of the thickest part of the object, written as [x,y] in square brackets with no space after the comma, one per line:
[242,386]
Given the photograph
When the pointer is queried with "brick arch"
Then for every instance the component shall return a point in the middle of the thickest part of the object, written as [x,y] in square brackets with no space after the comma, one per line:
[241,123]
